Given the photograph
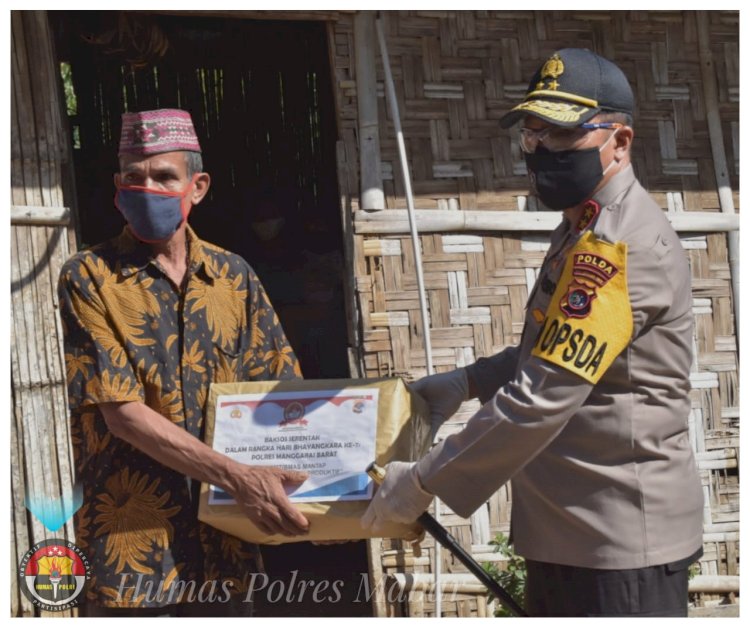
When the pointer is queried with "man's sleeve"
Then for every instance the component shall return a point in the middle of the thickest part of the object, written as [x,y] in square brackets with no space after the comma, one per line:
[508,432]
[654,294]
[270,356]
[96,363]
[581,336]
[490,374]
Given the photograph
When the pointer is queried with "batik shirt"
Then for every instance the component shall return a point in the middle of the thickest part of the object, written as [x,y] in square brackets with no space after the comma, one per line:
[132,335]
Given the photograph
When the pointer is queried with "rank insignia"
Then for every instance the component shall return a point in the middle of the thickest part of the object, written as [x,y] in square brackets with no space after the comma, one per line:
[590,211]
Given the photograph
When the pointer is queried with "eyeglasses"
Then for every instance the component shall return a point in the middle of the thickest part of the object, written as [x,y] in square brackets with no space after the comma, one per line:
[557,138]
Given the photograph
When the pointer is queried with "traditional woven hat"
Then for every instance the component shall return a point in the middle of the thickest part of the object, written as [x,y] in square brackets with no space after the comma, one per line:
[159,131]
[571,87]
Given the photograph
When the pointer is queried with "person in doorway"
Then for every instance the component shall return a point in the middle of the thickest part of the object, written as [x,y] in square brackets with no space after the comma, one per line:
[588,414]
[150,319]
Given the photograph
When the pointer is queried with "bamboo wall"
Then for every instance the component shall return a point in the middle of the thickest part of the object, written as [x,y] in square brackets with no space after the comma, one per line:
[456,73]
[40,450]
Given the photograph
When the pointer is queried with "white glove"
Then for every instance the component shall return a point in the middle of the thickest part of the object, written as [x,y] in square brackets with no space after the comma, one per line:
[444,393]
[399,498]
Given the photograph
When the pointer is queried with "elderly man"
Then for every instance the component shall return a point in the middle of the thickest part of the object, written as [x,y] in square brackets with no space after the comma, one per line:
[151,318]
[588,414]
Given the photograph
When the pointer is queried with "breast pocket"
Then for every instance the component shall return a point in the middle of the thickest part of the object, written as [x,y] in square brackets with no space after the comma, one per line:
[226,364]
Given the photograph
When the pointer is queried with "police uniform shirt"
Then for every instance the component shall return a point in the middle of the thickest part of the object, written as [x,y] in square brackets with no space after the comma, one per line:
[588,415]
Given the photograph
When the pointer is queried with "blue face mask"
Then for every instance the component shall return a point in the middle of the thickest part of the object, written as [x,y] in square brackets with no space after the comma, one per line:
[153,215]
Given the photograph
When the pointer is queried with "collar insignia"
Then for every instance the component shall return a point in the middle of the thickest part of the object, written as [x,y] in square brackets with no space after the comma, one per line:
[590,211]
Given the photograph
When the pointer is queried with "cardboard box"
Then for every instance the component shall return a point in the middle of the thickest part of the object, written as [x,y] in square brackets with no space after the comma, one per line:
[403,433]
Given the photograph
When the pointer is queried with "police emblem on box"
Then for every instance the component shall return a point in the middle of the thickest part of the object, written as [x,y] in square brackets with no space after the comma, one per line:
[294,416]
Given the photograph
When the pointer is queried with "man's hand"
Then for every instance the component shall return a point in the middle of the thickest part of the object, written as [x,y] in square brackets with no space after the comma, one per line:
[399,498]
[444,394]
[259,491]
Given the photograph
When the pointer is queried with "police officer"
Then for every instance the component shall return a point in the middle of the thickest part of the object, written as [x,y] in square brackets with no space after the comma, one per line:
[588,414]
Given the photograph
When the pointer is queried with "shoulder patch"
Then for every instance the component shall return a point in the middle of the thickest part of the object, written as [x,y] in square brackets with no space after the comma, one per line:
[589,320]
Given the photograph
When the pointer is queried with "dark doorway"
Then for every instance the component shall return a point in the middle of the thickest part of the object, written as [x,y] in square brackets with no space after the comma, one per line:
[261,98]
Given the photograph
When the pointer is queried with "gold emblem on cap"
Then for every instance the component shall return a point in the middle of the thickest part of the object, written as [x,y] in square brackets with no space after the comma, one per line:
[553,68]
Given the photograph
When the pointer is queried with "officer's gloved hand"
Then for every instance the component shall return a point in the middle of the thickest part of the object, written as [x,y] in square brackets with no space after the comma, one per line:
[399,498]
[444,394]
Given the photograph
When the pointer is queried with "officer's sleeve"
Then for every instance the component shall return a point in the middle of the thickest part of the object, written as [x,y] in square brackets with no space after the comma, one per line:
[489,374]
[588,323]
[653,294]
[270,356]
[508,432]
[96,364]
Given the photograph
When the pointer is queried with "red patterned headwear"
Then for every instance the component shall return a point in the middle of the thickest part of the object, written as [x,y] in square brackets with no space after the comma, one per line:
[159,131]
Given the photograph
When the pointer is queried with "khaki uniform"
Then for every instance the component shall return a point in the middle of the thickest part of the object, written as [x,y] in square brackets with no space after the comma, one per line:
[602,468]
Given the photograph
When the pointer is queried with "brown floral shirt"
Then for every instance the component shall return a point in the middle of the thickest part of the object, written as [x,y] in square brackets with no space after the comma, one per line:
[132,335]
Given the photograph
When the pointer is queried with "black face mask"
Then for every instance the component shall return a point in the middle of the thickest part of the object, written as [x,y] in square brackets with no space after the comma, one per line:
[565,178]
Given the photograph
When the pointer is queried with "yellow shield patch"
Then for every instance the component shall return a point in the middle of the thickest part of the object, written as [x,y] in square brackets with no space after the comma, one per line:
[589,320]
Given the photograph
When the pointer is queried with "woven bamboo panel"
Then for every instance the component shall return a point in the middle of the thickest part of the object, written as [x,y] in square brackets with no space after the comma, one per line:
[41,457]
[456,73]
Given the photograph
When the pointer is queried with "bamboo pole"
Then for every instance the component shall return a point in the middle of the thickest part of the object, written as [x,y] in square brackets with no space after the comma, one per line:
[375,573]
[713,118]
[356,367]
[31,215]
[372,196]
[396,221]
[714,584]
[393,102]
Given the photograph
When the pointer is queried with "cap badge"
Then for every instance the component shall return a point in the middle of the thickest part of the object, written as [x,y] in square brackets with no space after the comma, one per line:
[553,68]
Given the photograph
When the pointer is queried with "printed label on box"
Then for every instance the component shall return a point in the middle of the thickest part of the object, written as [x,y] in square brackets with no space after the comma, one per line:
[328,434]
